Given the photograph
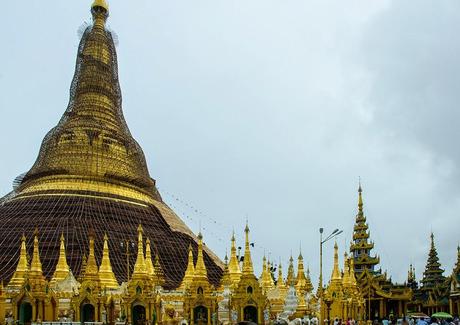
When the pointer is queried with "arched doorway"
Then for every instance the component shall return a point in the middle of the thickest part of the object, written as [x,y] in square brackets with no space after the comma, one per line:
[250,314]
[87,313]
[25,313]
[138,315]
[200,315]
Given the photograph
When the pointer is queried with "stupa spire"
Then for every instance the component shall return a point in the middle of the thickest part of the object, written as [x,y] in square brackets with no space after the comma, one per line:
[300,281]
[247,262]
[36,265]
[200,267]
[148,260]
[346,280]
[225,281]
[280,281]
[234,265]
[266,279]
[22,267]
[91,268]
[140,268]
[352,272]
[106,276]
[290,280]
[190,271]
[62,268]
[264,268]
[336,271]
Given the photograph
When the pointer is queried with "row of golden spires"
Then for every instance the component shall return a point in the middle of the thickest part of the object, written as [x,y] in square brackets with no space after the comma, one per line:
[144,267]
[234,270]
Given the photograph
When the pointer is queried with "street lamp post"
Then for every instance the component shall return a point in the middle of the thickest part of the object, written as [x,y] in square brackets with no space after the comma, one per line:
[334,234]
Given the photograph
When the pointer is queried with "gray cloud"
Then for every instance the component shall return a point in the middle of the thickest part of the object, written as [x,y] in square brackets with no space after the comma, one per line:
[269,110]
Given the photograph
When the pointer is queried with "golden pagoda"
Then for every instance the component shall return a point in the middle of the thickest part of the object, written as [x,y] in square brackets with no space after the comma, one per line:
[343,298]
[248,298]
[200,301]
[91,173]
[381,296]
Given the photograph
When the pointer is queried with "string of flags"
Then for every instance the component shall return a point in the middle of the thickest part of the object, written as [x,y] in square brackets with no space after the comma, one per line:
[196,215]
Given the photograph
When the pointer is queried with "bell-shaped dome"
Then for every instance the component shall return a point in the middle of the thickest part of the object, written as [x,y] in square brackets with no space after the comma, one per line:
[91,148]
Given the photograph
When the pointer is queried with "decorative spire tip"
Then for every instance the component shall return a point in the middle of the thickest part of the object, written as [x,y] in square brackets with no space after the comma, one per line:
[100,3]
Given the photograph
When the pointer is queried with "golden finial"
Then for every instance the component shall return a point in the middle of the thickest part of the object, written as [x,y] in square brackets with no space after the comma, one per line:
[91,268]
[360,197]
[148,260]
[247,262]
[346,280]
[22,268]
[190,271]
[290,280]
[106,276]
[352,271]
[200,267]
[280,281]
[234,265]
[62,268]
[264,267]
[140,268]
[336,271]
[301,280]
[100,3]
[36,265]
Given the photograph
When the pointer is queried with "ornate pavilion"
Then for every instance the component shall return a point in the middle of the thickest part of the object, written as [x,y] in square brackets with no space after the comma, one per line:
[383,298]
[90,239]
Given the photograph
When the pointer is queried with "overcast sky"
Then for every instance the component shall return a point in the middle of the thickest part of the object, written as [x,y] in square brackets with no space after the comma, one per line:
[267,109]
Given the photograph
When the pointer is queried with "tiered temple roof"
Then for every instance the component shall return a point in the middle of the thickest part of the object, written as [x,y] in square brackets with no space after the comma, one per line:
[433,275]
[361,247]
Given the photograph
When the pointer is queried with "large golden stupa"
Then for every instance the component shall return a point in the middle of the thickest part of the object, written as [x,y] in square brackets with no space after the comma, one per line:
[91,175]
